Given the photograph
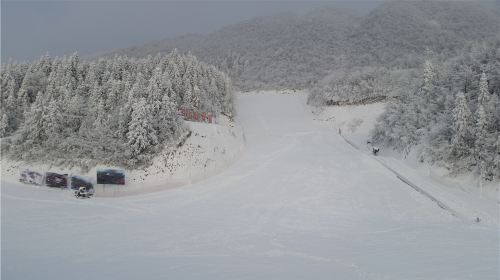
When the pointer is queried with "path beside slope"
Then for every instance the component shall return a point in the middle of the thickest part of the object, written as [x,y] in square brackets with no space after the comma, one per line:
[299,204]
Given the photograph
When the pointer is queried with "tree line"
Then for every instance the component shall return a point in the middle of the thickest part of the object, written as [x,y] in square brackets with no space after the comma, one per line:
[452,118]
[118,110]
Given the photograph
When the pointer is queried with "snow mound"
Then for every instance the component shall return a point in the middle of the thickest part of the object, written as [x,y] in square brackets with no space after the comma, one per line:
[354,121]
[208,150]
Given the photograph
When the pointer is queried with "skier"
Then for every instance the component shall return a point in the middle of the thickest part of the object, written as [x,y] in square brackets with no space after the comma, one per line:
[374,149]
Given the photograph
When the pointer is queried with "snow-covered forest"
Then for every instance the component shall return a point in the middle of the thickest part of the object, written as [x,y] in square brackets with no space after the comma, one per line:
[452,117]
[118,110]
[299,50]
[361,85]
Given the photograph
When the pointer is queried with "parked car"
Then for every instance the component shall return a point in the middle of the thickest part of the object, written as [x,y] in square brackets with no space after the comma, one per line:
[77,182]
[110,176]
[31,177]
[56,180]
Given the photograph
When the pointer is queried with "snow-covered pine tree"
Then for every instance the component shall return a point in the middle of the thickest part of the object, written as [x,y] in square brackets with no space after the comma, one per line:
[461,142]
[426,99]
[169,122]
[481,129]
[188,94]
[484,155]
[32,130]
[139,89]
[4,125]
[10,104]
[141,134]
[428,76]
[53,122]
[155,91]
[124,116]
[496,165]
[484,94]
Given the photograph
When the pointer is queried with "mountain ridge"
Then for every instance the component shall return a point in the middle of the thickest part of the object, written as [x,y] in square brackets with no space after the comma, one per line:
[290,50]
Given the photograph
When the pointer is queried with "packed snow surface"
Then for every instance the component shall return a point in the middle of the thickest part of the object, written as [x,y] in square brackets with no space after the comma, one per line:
[300,203]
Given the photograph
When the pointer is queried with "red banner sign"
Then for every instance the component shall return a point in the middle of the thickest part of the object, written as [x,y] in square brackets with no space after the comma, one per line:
[196,116]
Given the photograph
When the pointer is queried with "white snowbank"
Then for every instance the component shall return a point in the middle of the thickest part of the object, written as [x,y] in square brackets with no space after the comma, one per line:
[208,150]
[354,121]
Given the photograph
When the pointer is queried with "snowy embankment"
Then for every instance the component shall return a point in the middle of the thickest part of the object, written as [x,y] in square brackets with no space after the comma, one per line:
[206,150]
[299,203]
[460,194]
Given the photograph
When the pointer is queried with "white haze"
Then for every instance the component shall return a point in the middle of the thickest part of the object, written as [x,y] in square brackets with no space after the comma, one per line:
[32,28]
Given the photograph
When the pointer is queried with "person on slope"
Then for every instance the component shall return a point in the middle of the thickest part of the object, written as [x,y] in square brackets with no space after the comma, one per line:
[374,149]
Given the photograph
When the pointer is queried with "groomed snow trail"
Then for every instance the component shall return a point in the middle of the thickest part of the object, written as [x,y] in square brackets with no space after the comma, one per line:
[300,204]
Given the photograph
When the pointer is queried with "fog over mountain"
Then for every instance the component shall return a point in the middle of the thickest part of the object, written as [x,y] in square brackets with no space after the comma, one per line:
[297,50]
[32,28]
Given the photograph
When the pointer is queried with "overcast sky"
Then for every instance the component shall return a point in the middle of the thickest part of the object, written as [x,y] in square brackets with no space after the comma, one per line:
[32,28]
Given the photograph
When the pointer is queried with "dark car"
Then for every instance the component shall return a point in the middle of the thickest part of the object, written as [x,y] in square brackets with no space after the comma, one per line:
[56,180]
[111,177]
[77,182]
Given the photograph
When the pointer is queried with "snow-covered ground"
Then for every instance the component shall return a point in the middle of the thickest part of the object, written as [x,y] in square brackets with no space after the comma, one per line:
[300,203]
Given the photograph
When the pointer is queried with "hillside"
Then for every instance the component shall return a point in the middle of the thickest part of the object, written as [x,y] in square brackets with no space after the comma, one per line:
[298,50]
[398,32]
[281,50]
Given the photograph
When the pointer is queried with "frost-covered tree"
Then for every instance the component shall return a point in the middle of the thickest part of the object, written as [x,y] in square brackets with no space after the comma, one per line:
[4,125]
[461,142]
[496,165]
[484,155]
[32,130]
[141,134]
[484,95]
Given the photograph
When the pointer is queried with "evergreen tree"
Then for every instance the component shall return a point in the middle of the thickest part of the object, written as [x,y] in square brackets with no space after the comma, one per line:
[483,123]
[33,128]
[484,155]
[484,95]
[141,134]
[462,127]
[53,122]
[4,125]
[496,165]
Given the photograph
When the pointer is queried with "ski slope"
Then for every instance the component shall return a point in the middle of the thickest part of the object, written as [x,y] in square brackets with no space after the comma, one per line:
[300,203]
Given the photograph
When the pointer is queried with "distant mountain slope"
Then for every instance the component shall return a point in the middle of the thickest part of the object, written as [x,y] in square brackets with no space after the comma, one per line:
[268,51]
[397,32]
[290,50]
